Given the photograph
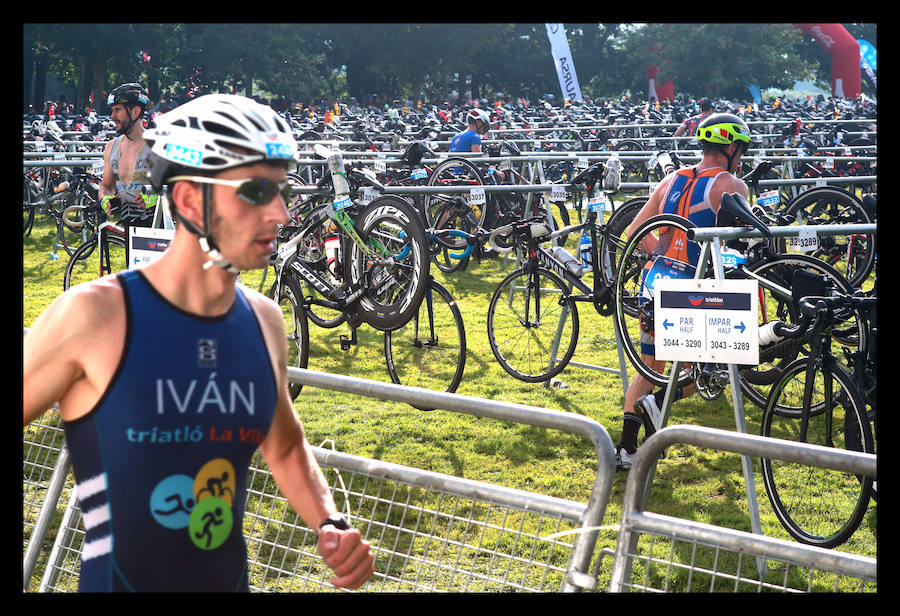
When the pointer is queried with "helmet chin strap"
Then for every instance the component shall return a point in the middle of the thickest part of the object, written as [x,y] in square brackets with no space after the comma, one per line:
[216,258]
[131,123]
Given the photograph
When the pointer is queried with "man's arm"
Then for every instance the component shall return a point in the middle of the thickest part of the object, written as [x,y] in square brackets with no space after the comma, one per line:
[68,350]
[295,470]
[107,186]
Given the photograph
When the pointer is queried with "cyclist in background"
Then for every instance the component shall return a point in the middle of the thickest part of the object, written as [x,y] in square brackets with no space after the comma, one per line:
[470,139]
[694,193]
[688,128]
[126,159]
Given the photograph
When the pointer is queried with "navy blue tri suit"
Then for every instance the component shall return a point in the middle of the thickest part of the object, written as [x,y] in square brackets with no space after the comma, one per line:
[161,461]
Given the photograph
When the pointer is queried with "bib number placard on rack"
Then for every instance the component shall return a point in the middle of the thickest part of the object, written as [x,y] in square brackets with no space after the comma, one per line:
[706,321]
[146,245]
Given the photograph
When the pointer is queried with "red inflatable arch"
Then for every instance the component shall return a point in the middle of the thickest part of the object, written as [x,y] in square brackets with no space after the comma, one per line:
[846,76]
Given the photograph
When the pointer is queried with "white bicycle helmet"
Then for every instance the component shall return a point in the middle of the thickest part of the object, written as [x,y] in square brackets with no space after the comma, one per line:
[210,134]
[479,115]
[216,132]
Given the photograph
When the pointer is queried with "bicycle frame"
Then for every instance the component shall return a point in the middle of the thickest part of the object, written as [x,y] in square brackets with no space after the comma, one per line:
[542,256]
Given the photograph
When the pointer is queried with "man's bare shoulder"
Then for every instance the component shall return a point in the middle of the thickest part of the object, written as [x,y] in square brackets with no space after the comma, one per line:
[268,311]
[88,305]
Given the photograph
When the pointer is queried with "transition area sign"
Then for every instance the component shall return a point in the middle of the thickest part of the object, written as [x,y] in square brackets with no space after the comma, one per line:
[706,320]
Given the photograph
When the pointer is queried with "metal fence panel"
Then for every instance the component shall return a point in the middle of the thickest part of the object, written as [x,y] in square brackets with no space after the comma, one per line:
[657,553]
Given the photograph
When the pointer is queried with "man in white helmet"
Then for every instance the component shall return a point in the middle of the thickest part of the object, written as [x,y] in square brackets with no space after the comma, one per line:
[169,377]
[469,140]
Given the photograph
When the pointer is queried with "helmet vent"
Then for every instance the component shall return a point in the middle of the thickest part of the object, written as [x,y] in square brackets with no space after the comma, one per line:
[221,129]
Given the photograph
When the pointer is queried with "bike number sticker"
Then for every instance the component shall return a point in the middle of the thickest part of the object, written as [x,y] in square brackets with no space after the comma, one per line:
[806,241]
[769,198]
[342,203]
[476,195]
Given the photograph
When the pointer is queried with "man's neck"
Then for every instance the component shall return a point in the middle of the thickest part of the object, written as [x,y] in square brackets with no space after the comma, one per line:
[180,277]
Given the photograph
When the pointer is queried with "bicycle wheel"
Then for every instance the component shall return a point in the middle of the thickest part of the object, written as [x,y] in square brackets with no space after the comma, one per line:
[528,313]
[430,350]
[613,241]
[779,270]
[296,327]
[634,299]
[852,255]
[83,266]
[453,172]
[79,223]
[815,505]
[394,274]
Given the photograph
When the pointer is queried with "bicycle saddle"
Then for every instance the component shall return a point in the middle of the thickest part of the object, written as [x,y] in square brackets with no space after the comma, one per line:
[756,174]
[589,175]
[414,153]
[735,212]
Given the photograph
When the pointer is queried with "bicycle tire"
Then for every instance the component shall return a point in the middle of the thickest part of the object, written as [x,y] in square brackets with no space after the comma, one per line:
[435,359]
[817,506]
[854,256]
[612,242]
[523,348]
[442,249]
[296,327]
[393,287]
[631,303]
[78,269]
[454,171]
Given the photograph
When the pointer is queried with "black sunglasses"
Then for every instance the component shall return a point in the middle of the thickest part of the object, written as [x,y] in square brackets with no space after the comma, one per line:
[258,191]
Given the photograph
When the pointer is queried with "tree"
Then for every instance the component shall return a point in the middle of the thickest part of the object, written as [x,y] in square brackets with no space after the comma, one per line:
[718,60]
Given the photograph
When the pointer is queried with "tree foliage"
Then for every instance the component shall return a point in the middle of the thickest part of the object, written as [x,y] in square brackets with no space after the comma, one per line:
[312,61]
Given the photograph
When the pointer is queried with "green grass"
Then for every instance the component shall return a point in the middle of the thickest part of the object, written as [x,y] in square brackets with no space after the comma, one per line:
[702,485]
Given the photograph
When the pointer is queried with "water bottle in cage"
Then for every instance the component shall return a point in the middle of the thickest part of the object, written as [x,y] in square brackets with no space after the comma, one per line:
[570,262]
[584,250]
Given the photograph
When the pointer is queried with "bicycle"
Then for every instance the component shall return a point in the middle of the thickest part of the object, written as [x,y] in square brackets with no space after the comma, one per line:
[51,193]
[533,311]
[108,239]
[817,401]
[853,255]
[379,271]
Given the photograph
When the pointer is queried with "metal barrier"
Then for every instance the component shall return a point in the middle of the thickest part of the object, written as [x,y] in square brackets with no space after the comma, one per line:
[687,556]
[438,533]
[429,531]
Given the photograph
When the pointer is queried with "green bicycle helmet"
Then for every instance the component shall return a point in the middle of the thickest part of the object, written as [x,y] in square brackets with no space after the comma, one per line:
[720,130]
[723,129]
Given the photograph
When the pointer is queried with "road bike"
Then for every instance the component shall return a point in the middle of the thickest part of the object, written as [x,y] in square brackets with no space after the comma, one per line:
[102,254]
[366,263]
[533,312]
[818,401]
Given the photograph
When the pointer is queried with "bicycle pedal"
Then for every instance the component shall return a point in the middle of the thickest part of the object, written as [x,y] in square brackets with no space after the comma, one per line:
[346,343]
